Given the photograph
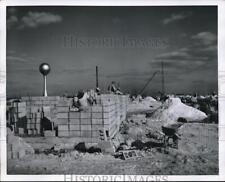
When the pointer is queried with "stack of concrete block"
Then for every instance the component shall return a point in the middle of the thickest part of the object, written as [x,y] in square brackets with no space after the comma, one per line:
[99,122]
[17,111]
[62,109]
[20,109]
[33,125]
[41,101]
[21,131]
[36,108]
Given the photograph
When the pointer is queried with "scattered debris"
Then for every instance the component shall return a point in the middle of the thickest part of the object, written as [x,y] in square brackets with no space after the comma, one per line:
[129,154]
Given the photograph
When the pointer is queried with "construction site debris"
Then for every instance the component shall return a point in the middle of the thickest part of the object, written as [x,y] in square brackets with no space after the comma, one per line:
[138,105]
[173,109]
[136,133]
[16,147]
[106,147]
[130,154]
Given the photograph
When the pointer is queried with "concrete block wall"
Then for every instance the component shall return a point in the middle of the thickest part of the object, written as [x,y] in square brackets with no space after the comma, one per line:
[99,122]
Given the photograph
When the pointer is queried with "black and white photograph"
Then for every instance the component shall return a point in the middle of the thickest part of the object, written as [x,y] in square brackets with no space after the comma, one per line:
[112,90]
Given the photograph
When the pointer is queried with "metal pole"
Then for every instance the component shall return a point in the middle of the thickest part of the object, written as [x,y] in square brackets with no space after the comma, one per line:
[96,76]
[45,86]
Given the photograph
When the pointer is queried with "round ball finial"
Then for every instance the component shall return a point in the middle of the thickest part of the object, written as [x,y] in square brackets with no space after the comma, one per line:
[44,68]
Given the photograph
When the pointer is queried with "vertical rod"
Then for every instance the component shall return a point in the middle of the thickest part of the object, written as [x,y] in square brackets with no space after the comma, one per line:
[163,83]
[96,76]
[45,87]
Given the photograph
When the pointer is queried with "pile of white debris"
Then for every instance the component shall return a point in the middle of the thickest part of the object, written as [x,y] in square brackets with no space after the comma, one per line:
[173,108]
[142,105]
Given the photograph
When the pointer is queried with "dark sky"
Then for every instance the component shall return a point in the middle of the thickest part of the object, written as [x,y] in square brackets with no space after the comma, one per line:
[127,43]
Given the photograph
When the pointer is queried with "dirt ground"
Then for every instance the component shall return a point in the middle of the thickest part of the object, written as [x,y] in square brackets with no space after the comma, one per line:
[197,154]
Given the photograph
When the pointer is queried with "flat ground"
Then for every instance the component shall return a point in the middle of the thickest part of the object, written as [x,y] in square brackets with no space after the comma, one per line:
[197,154]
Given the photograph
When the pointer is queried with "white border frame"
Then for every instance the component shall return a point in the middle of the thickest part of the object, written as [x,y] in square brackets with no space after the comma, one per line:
[221,78]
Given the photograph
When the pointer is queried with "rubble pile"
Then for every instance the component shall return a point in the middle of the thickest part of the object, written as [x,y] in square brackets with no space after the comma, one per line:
[139,104]
[173,109]
[16,147]
[207,104]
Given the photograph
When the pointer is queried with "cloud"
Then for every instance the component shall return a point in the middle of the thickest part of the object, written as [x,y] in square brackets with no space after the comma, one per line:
[176,17]
[202,49]
[16,58]
[11,21]
[205,38]
[31,19]
[181,55]
[211,48]
[35,19]
[11,10]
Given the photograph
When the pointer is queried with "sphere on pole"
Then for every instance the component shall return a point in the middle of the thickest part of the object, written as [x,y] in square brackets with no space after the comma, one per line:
[44,69]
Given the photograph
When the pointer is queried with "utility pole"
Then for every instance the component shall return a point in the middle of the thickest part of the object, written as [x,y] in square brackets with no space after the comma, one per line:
[96,76]
[163,82]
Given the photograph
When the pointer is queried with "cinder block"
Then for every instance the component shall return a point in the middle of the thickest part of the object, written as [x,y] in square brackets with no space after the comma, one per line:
[97,115]
[64,103]
[60,121]
[38,130]
[107,115]
[106,127]
[37,115]
[30,115]
[32,126]
[35,132]
[97,127]
[95,134]
[85,115]
[74,121]
[74,127]
[108,121]
[75,115]
[49,133]
[62,115]
[21,131]
[86,134]
[62,109]
[63,127]
[85,127]
[97,108]
[85,121]
[30,131]
[74,133]
[97,121]
[63,133]
[28,125]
